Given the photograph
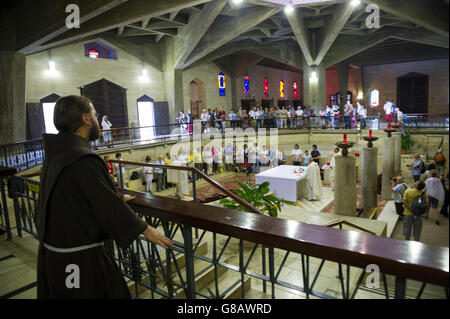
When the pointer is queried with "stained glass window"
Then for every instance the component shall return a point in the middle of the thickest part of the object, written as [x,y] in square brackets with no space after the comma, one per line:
[374,98]
[93,54]
[221,79]
[246,85]
[295,90]
[266,88]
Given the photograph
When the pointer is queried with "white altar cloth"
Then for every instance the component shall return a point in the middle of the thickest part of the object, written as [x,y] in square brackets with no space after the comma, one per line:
[284,182]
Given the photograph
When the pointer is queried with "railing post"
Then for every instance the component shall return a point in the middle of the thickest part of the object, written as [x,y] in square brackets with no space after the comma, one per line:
[189,259]
[120,176]
[400,288]
[5,207]
[194,189]
[379,120]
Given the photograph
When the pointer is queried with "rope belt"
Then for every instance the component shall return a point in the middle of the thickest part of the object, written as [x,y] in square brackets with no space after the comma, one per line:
[74,249]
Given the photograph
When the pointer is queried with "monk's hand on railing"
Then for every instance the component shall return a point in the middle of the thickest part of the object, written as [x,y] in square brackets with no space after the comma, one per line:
[157,238]
[128,198]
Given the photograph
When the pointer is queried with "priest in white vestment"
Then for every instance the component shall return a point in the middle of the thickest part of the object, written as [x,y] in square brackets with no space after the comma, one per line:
[313,180]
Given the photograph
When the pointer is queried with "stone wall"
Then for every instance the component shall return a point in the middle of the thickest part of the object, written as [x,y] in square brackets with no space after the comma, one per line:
[74,70]
[384,79]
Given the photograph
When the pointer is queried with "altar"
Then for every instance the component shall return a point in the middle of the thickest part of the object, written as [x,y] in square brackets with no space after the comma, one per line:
[284,182]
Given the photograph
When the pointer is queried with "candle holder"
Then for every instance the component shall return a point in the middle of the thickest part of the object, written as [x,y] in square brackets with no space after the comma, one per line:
[370,140]
[345,146]
[389,131]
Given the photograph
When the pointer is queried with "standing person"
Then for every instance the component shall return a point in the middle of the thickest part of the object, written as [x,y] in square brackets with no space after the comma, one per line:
[306,158]
[362,116]
[245,164]
[417,167]
[296,155]
[240,114]
[119,169]
[208,160]
[79,209]
[281,157]
[245,120]
[106,126]
[315,154]
[205,118]
[389,110]
[435,192]
[299,115]
[440,161]
[347,116]
[110,166]
[445,185]
[168,160]
[401,120]
[232,118]
[259,116]
[148,175]
[313,181]
[190,120]
[181,120]
[411,221]
[398,190]
[160,179]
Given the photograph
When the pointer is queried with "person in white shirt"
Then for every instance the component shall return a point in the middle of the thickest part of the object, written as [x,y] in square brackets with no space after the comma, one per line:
[389,109]
[205,119]
[299,114]
[362,113]
[296,155]
[148,175]
[264,156]
[106,125]
[328,116]
[253,157]
[334,113]
[400,120]
[322,114]
[208,160]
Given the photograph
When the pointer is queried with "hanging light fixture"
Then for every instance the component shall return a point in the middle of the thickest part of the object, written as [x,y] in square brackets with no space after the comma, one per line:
[355,2]
[289,8]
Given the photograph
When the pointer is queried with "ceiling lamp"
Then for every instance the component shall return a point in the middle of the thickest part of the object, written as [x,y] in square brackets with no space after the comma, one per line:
[355,2]
[289,8]
[237,1]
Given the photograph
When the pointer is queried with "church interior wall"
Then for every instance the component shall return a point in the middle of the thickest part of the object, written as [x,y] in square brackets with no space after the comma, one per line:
[74,70]
[384,79]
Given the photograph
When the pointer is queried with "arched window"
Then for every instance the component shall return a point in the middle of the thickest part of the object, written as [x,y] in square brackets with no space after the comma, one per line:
[146,117]
[374,98]
[48,107]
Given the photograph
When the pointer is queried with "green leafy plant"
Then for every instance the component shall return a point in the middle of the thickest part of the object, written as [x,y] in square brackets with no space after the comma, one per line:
[258,198]
[407,142]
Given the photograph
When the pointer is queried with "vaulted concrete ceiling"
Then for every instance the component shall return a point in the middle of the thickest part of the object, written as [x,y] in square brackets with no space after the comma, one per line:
[319,32]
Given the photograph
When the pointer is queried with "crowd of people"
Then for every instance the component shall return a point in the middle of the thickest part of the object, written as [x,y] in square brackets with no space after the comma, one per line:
[288,117]
[430,189]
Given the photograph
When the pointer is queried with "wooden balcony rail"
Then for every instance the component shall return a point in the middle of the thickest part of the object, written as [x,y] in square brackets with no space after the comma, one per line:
[404,259]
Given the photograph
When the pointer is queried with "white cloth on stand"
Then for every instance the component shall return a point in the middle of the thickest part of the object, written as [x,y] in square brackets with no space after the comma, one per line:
[180,178]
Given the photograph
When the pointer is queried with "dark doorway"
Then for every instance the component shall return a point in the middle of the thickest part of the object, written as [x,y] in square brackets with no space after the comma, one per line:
[266,103]
[109,99]
[247,104]
[282,103]
[296,103]
[412,93]
[335,99]
[197,96]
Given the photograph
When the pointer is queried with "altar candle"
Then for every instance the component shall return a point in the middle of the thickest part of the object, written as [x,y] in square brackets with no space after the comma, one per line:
[370,133]
[345,138]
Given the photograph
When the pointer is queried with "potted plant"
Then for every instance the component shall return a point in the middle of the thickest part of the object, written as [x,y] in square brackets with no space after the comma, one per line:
[407,143]
[258,197]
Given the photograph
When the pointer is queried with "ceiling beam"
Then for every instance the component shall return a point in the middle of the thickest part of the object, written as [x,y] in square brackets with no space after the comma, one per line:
[197,27]
[330,32]
[302,35]
[127,13]
[226,29]
[38,22]
[428,14]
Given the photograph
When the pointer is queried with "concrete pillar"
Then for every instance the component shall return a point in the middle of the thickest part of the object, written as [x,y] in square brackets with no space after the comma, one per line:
[343,69]
[345,186]
[388,168]
[314,86]
[369,178]
[397,136]
[12,77]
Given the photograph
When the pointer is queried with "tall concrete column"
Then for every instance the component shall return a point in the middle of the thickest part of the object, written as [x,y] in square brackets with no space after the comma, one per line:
[343,69]
[314,86]
[12,78]
[397,136]
[345,186]
[388,168]
[369,178]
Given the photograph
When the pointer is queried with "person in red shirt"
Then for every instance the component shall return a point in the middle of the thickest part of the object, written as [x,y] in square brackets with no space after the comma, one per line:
[110,166]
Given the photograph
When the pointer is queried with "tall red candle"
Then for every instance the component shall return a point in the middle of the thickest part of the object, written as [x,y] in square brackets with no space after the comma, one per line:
[345,138]
[370,133]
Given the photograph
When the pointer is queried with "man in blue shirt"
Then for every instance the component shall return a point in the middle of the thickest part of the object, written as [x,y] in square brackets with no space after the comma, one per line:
[398,189]
[416,167]
[315,154]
